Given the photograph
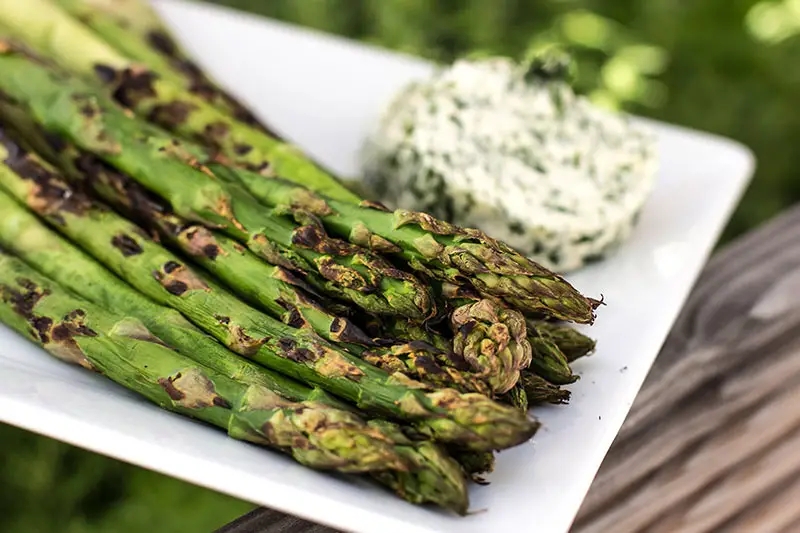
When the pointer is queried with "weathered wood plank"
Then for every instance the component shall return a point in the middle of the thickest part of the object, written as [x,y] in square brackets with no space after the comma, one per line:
[263,520]
[744,488]
[721,405]
[779,511]
[712,442]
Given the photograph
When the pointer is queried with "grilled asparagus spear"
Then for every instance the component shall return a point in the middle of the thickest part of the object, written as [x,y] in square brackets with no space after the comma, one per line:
[445,252]
[539,390]
[432,475]
[470,420]
[273,289]
[572,343]
[120,347]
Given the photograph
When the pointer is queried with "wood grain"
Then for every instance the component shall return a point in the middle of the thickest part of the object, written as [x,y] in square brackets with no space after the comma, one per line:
[712,442]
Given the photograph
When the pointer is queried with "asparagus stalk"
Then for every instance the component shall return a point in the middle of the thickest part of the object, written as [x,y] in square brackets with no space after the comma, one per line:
[538,390]
[363,277]
[134,29]
[542,348]
[26,237]
[446,252]
[51,32]
[469,420]
[64,106]
[403,330]
[475,320]
[572,343]
[549,363]
[432,475]
[121,348]
[274,289]
[88,120]
[493,339]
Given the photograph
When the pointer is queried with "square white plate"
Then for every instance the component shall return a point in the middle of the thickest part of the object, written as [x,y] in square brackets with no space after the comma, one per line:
[323,93]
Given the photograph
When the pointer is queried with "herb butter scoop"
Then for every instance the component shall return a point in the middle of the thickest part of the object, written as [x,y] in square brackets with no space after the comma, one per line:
[509,148]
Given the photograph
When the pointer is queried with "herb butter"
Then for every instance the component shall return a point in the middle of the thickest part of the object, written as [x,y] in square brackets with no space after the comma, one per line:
[512,150]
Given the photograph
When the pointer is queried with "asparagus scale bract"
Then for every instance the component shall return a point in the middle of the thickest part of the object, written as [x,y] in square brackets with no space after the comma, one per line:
[65,106]
[469,420]
[46,28]
[446,252]
[432,476]
[124,350]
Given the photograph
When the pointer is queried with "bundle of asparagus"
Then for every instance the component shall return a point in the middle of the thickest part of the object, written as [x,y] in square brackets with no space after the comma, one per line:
[225,277]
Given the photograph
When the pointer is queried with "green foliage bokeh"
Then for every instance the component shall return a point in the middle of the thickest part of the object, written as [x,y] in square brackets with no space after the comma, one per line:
[724,66]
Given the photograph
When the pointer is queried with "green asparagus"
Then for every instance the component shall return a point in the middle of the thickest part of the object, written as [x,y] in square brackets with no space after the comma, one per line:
[67,107]
[572,343]
[121,348]
[548,361]
[25,236]
[531,389]
[546,340]
[89,85]
[273,289]
[432,474]
[421,360]
[538,390]
[395,327]
[470,420]
[443,251]
[47,29]
[133,28]
[364,277]
[493,340]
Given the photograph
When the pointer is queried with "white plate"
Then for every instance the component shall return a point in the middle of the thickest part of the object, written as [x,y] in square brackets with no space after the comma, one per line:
[323,93]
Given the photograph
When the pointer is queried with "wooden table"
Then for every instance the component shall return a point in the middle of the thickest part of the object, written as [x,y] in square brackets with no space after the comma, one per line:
[712,442]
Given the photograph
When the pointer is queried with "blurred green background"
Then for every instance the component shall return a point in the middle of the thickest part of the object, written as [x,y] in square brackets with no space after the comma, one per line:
[724,66]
